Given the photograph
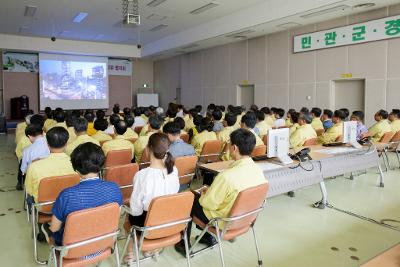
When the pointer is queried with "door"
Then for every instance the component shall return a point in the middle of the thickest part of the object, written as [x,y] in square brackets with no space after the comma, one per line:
[349,94]
[246,95]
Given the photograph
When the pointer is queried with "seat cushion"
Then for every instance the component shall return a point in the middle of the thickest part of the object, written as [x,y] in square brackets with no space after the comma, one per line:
[229,234]
[44,218]
[85,262]
[152,244]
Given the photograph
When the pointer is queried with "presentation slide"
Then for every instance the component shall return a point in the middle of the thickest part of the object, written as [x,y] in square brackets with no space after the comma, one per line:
[73,82]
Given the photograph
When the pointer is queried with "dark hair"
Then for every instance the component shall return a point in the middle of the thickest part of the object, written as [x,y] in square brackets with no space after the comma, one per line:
[359,114]
[294,116]
[396,112]
[137,112]
[316,111]
[120,127]
[198,108]
[222,108]
[127,111]
[59,116]
[171,113]
[37,120]
[87,158]
[100,114]
[33,130]
[197,119]
[249,119]
[48,112]
[80,125]
[206,124]
[254,107]
[339,114]
[217,114]
[129,120]
[266,110]
[114,119]
[89,116]
[116,109]
[244,140]
[159,145]
[180,122]
[260,115]
[100,124]
[383,113]
[346,112]
[230,119]
[172,128]
[306,117]
[304,110]
[328,113]
[57,137]
[280,112]
[155,122]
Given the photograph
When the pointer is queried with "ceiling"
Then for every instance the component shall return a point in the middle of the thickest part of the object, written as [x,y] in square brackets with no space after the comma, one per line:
[185,32]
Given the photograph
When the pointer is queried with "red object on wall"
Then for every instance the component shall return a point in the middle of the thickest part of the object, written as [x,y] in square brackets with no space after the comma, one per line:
[19,107]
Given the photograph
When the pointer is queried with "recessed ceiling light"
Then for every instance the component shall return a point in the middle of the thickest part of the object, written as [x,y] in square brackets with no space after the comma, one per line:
[155,3]
[324,11]
[204,8]
[365,5]
[158,27]
[80,17]
[30,11]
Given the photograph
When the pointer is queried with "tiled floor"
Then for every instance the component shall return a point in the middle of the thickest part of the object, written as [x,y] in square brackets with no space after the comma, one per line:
[290,232]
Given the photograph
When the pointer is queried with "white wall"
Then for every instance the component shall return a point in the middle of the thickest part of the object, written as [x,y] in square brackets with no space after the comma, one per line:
[282,78]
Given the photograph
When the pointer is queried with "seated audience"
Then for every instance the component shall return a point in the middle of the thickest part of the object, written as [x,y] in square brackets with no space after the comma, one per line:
[304,110]
[294,118]
[358,116]
[205,134]
[333,133]
[87,160]
[196,129]
[248,122]
[80,127]
[218,199]
[89,116]
[181,124]
[394,118]
[304,132]
[100,125]
[154,126]
[316,120]
[188,118]
[262,125]
[119,142]
[288,121]
[114,119]
[279,122]
[70,127]
[130,133]
[56,164]
[216,117]
[49,122]
[59,117]
[229,127]
[269,118]
[139,120]
[326,119]
[177,148]
[346,113]
[381,126]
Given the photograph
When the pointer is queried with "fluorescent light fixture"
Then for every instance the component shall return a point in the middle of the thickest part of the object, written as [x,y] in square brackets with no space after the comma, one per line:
[288,25]
[204,8]
[324,11]
[156,3]
[158,27]
[241,33]
[30,11]
[365,5]
[81,16]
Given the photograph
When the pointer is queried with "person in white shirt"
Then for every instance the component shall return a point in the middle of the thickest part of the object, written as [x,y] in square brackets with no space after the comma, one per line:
[159,179]
[114,119]
[279,122]
[139,121]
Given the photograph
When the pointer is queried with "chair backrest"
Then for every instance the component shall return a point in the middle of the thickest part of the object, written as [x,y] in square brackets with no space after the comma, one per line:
[339,138]
[168,209]
[89,224]
[186,168]
[51,187]
[185,137]
[211,151]
[145,159]
[132,140]
[118,157]
[386,137]
[138,129]
[319,132]
[265,140]
[259,151]
[310,142]
[395,140]
[247,201]
[122,175]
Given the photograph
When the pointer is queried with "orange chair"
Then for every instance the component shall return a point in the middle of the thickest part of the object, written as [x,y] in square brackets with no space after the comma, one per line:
[259,151]
[310,142]
[186,168]
[394,146]
[211,151]
[382,151]
[319,132]
[386,138]
[123,176]
[88,232]
[248,204]
[145,159]
[185,137]
[138,129]
[118,157]
[165,225]
[49,189]
[339,138]
[265,140]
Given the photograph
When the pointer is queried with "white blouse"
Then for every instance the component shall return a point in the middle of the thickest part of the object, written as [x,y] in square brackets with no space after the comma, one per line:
[150,183]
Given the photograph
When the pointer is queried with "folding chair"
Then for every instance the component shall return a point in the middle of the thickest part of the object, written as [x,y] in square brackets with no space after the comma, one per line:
[145,159]
[383,149]
[49,189]
[165,225]
[310,142]
[248,204]
[393,146]
[118,157]
[211,151]
[319,132]
[186,169]
[138,129]
[259,151]
[185,137]
[122,175]
[91,232]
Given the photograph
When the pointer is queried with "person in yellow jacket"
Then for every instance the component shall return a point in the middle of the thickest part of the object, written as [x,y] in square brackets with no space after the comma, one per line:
[333,133]
[80,127]
[229,127]
[304,132]
[262,125]
[294,117]
[205,134]
[154,124]
[316,119]
[101,125]
[394,118]
[288,121]
[130,133]
[49,122]
[381,126]
[119,142]
[89,116]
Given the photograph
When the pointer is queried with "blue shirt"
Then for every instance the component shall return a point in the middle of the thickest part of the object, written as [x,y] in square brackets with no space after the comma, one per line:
[89,193]
[218,126]
[256,130]
[327,124]
[180,149]
[38,150]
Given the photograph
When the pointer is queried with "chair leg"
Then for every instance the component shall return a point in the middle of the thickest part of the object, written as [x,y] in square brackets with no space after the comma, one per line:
[398,157]
[116,252]
[136,248]
[34,233]
[384,162]
[128,239]
[185,239]
[387,158]
[219,244]
[260,263]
